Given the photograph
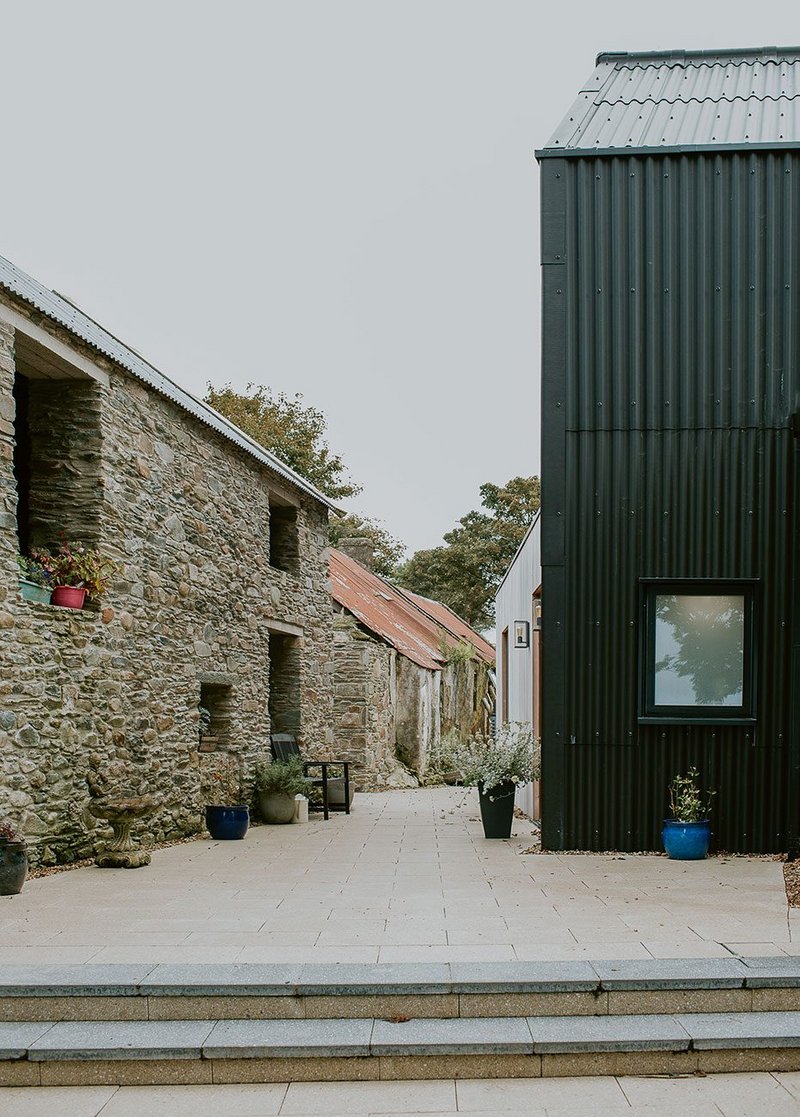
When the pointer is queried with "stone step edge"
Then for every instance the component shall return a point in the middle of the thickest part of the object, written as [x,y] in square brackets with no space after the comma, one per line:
[345,979]
[347,1038]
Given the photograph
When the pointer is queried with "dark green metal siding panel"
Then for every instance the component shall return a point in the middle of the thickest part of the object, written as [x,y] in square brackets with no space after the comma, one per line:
[684,291]
[680,339]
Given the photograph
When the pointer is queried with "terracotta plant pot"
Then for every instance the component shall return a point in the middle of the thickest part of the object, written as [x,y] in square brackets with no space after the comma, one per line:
[70,597]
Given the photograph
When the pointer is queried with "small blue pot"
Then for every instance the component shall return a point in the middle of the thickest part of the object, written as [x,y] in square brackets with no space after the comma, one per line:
[686,841]
[227,824]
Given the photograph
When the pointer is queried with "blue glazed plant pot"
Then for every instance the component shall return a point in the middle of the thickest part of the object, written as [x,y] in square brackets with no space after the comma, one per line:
[686,841]
[227,824]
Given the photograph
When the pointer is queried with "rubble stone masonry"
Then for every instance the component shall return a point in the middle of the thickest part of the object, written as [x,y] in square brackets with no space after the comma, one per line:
[186,515]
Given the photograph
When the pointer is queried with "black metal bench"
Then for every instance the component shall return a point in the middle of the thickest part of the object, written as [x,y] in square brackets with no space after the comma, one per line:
[284,746]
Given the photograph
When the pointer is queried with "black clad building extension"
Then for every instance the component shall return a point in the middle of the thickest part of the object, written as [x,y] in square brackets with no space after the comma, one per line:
[670,441]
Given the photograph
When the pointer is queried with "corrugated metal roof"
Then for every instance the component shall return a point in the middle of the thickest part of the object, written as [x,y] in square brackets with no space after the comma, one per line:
[60,310]
[393,615]
[454,624]
[679,100]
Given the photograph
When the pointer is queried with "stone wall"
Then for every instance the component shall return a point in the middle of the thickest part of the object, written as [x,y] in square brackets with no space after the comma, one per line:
[186,515]
[364,703]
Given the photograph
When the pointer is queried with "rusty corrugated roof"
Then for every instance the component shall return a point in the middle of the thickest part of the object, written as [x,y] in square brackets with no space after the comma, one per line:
[454,624]
[405,621]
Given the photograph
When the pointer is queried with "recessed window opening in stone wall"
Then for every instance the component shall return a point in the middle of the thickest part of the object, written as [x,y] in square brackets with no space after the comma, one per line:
[284,544]
[217,699]
[57,455]
[284,683]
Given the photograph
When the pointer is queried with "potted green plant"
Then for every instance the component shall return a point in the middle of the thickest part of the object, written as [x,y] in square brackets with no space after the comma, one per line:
[13,859]
[77,572]
[277,784]
[687,834]
[35,582]
[227,819]
[497,766]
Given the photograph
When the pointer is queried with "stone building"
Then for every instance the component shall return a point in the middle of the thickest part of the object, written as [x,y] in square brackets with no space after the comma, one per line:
[409,673]
[221,599]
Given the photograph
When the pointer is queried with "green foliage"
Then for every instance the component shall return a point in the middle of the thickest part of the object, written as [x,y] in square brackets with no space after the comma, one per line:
[460,652]
[387,551]
[33,571]
[491,761]
[466,572]
[281,777]
[686,801]
[73,564]
[288,428]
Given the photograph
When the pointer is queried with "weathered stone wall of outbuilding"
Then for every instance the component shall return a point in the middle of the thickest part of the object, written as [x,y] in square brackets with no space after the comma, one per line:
[364,702]
[186,515]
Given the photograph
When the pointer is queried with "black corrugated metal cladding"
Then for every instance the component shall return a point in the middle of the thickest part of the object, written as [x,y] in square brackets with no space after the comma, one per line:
[671,297]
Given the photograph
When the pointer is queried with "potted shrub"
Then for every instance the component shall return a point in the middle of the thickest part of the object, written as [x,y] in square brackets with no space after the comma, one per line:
[277,784]
[77,572]
[228,819]
[687,834]
[35,582]
[497,767]
[13,860]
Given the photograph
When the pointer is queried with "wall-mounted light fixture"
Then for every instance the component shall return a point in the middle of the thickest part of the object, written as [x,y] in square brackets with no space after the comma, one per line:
[522,634]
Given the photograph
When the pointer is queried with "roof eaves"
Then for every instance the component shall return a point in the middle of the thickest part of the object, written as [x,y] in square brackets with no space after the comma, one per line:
[65,314]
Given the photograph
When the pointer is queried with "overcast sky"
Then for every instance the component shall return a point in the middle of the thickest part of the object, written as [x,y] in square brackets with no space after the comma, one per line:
[334,197]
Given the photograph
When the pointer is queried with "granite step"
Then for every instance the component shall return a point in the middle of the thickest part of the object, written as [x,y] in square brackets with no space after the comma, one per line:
[129,1052]
[426,990]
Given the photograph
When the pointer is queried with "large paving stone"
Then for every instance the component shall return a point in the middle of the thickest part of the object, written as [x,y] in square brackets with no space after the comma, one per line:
[772,973]
[672,973]
[318,979]
[16,1038]
[523,977]
[260,1039]
[493,1035]
[118,1039]
[552,1034]
[86,980]
[713,1030]
[253,978]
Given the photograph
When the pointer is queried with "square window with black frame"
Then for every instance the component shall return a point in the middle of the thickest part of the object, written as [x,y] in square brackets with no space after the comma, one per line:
[284,543]
[216,709]
[697,651]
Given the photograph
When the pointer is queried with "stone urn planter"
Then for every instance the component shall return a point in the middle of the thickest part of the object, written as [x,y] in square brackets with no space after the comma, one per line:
[276,808]
[121,853]
[13,867]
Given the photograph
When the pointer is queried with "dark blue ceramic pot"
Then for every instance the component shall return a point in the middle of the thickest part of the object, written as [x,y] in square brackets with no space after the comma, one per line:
[227,824]
[686,841]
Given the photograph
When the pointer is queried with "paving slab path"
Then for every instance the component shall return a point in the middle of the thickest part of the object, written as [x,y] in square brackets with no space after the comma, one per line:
[718,1095]
[407,877]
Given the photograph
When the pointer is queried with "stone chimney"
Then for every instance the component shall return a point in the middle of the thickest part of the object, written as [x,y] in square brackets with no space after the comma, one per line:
[360,549]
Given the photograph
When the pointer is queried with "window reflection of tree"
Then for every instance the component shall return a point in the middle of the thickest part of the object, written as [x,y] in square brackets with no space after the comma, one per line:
[709,633]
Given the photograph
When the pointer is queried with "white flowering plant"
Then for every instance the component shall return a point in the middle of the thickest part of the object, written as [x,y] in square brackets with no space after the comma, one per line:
[508,757]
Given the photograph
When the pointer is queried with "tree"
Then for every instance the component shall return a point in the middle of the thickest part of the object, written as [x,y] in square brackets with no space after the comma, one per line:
[293,431]
[467,570]
[386,550]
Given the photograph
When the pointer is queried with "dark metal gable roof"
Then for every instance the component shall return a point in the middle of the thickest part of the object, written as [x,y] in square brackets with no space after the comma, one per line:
[684,100]
[60,310]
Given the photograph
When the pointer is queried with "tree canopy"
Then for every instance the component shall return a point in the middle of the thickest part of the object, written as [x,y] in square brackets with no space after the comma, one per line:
[466,571]
[291,429]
